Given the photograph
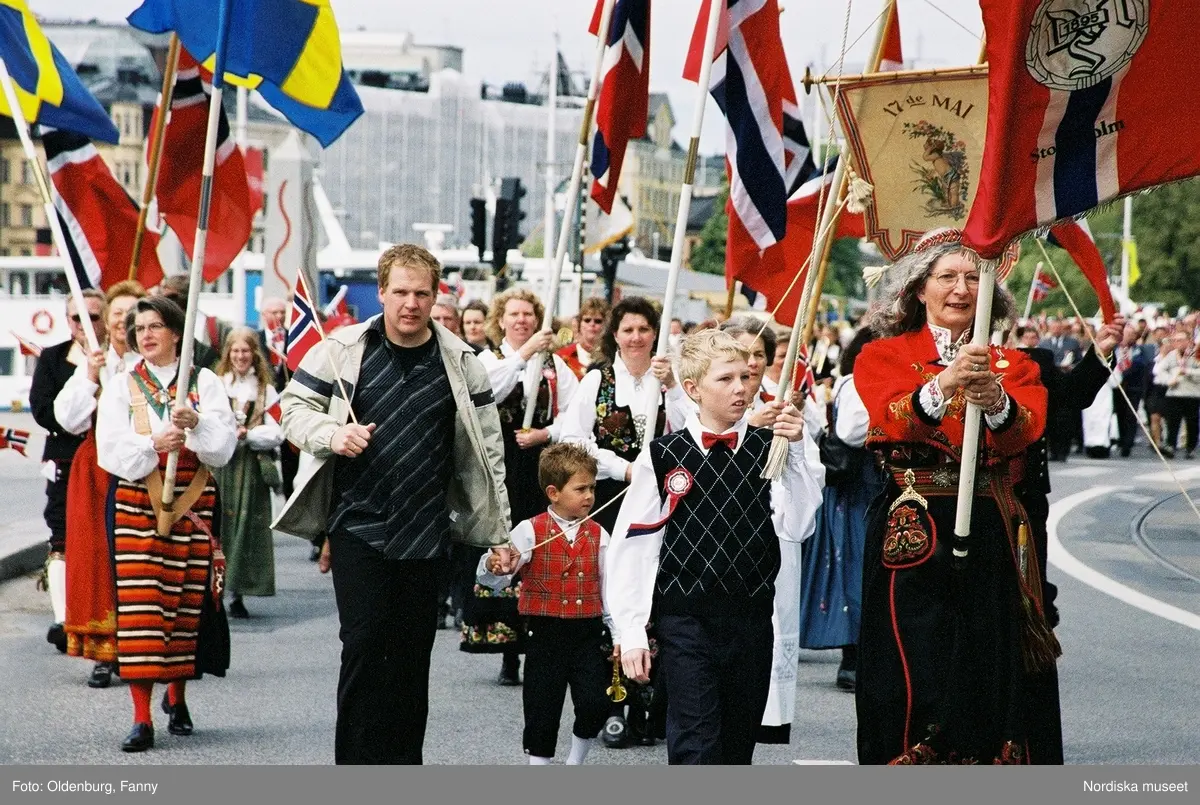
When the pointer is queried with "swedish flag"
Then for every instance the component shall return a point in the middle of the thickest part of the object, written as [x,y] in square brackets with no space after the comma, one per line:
[287,50]
[47,88]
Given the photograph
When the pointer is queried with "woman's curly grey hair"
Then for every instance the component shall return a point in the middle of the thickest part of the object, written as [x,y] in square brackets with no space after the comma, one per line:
[902,312]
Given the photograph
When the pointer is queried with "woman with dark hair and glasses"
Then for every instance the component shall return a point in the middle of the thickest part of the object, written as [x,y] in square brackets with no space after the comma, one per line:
[953,628]
[170,624]
[609,410]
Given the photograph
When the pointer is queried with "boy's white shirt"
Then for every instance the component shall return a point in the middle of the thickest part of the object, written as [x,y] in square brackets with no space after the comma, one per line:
[631,566]
[523,540]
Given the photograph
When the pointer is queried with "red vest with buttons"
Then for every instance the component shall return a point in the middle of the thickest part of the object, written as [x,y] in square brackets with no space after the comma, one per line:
[562,579]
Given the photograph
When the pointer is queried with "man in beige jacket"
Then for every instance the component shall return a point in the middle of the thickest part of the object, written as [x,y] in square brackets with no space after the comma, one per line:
[418,464]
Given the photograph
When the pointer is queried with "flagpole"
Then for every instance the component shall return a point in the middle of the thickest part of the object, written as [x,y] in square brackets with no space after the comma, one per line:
[1037,272]
[60,239]
[157,136]
[239,264]
[814,280]
[196,278]
[551,131]
[533,371]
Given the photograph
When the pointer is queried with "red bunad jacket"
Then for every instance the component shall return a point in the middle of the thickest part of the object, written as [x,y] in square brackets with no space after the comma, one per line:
[562,579]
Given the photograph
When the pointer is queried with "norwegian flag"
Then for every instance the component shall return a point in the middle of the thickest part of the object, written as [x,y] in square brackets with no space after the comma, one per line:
[304,331]
[773,274]
[624,100]
[1076,238]
[28,348]
[1087,102]
[337,312]
[1043,284]
[14,439]
[98,216]
[750,81]
[179,179]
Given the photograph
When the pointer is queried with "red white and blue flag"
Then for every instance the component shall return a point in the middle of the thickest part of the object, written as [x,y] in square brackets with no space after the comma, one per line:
[303,328]
[750,82]
[1043,284]
[623,102]
[1076,238]
[14,439]
[1088,100]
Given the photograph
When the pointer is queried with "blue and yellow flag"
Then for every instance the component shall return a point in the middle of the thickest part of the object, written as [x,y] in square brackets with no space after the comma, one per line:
[47,88]
[287,50]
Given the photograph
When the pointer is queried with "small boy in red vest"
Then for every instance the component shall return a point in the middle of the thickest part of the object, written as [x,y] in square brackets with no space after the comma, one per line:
[562,552]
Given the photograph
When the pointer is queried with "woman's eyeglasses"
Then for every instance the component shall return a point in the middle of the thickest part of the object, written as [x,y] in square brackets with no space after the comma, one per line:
[948,279]
[591,321]
[152,327]
[93,316]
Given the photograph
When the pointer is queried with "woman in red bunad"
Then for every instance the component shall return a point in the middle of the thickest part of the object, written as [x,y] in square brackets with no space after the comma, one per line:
[170,625]
[948,643]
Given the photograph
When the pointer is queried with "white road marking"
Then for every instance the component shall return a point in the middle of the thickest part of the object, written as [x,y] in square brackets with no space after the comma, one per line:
[1064,561]
[1082,472]
[1165,477]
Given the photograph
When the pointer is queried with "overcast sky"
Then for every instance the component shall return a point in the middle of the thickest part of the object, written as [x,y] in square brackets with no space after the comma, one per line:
[511,40]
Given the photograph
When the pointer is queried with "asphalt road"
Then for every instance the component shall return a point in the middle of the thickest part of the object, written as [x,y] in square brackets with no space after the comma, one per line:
[1128,674]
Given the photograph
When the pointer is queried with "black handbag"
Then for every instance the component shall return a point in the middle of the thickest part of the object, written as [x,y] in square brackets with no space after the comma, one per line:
[842,462]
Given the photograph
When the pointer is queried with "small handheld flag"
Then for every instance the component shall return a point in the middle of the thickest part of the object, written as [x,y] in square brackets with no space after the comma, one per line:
[303,328]
[14,439]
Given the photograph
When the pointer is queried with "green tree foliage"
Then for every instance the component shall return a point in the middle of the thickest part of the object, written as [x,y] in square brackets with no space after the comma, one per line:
[1166,227]
[709,254]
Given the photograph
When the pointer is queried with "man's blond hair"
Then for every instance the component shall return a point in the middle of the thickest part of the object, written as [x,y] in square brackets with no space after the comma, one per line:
[698,351]
[409,255]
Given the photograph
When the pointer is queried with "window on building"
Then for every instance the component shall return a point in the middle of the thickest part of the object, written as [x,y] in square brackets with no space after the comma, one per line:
[26,173]
[26,215]
[5,214]
[6,360]
[5,175]
[46,283]
[26,252]
[18,282]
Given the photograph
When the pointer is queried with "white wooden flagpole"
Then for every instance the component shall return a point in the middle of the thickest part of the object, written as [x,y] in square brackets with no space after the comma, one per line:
[715,9]
[196,276]
[533,372]
[60,239]
[1037,272]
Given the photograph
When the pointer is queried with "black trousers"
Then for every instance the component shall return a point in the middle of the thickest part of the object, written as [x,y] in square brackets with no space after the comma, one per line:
[388,613]
[562,653]
[1186,410]
[717,670]
[55,512]
[1127,421]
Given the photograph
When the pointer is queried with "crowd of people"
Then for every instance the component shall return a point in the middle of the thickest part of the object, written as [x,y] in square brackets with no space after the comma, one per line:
[625,537]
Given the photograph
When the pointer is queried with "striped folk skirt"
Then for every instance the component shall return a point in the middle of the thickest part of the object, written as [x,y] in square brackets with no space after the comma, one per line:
[91,623]
[165,612]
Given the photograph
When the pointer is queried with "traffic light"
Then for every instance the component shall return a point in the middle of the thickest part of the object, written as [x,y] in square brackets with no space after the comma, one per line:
[512,191]
[500,236]
[479,225]
[610,259]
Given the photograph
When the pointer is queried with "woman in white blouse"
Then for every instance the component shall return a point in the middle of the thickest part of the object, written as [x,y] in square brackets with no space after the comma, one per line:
[247,480]
[170,627]
[609,411]
[490,622]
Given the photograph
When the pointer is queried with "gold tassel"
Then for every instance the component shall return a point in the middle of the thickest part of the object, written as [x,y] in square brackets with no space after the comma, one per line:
[1039,647]
[858,196]
[873,274]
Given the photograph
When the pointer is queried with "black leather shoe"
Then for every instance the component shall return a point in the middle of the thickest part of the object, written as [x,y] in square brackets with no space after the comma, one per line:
[57,637]
[180,721]
[508,679]
[139,739]
[237,609]
[615,735]
[101,676]
[847,678]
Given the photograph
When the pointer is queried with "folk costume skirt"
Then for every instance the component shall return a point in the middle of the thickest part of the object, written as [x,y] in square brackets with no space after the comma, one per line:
[168,625]
[246,535]
[942,675]
[91,623]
